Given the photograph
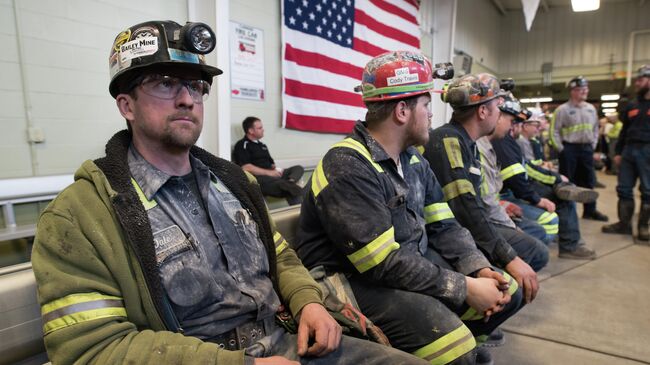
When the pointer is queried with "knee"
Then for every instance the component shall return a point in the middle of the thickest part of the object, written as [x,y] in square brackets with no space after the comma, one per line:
[540,256]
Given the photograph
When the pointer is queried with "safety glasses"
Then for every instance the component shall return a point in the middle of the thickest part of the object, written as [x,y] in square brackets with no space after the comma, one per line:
[168,87]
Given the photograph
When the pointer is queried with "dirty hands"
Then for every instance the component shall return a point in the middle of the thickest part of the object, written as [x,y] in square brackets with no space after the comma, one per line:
[316,323]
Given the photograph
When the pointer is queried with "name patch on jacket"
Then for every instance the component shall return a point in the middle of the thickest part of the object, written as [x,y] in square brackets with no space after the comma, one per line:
[170,241]
[632,113]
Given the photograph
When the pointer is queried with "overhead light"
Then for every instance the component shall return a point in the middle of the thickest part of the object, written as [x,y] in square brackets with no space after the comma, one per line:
[609,97]
[609,110]
[609,105]
[585,5]
[541,99]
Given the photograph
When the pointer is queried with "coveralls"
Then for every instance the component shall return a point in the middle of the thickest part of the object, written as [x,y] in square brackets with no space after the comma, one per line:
[388,229]
[518,186]
[574,134]
[455,160]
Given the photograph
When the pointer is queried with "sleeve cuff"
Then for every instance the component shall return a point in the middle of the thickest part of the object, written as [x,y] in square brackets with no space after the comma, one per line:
[306,296]
[472,263]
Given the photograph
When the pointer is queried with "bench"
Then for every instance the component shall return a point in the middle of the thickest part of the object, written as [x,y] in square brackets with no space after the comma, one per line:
[21,340]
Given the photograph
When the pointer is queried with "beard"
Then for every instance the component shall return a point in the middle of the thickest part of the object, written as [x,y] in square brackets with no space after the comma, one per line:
[181,137]
[642,91]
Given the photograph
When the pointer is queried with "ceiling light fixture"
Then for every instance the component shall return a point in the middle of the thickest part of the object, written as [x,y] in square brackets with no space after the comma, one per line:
[543,99]
[609,97]
[585,5]
[609,111]
[609,105]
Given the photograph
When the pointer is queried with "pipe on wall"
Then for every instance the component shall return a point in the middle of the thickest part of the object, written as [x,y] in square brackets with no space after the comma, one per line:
[630,54]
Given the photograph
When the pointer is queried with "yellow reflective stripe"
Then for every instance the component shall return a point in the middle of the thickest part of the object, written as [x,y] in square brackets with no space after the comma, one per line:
[539,176]
[471,315]
[458,187]
[414,160]
[374,252]
[576,128]
[318,180]
[148,204]
[77,308]
[454,155]
[436,212]
[512,170]
[512,282]
[357,146]
[546,218]
[481,339]
[536,162]
[448,347]
[420,149]
[280,243]
[551,228]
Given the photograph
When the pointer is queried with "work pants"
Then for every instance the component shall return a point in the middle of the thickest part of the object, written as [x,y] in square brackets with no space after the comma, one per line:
[284,186]
[528,248]
[635,164]
[577,164]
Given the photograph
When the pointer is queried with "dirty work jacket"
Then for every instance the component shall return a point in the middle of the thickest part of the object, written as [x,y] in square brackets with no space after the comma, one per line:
[361,218]
[98,284]
[517,173]
[454,159]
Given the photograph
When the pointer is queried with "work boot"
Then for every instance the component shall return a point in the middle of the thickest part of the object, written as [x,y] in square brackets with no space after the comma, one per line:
[581,252]
[624,225]
[495,339]
[483,356]
[644,216]
[596,216]
[568,191]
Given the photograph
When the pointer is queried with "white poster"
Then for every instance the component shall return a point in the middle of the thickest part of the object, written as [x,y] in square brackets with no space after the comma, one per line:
[246,62]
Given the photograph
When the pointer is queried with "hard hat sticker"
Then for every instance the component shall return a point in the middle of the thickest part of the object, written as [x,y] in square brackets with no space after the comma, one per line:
[182,56]
[402,76]
[143,46]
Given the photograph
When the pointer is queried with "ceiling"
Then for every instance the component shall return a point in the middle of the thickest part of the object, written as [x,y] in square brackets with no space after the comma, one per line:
[515,5]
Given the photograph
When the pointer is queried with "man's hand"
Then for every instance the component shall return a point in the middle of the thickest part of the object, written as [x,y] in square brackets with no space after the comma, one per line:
[547,205]
[316,323]
[483,295]
[617,160]
[513,210]
[502,284]
[525,276]
[564,178]
[275,360]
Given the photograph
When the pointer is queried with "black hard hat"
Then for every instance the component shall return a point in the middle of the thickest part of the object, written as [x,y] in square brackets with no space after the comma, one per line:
[512,106]
[163,45]
[577,81]
[644,71]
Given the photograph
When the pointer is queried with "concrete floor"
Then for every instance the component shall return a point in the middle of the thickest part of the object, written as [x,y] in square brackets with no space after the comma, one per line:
[587,312]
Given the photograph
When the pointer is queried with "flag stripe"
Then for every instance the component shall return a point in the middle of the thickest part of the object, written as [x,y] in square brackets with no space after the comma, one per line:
[309,75]
[323,108]
[320,124]
[381,16]
[408,6]
[320,61]
[394,9]
[372,37]
[317,92]
[362,18]
[309,43]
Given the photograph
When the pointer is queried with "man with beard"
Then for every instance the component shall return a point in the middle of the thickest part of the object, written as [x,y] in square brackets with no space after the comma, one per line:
[162,253]
[375,218]
[455,160]
[574,134]
[633,161]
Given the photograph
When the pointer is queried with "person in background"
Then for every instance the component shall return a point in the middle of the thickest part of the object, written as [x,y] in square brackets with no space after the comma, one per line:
[574,134]
[254,157]
[633,161]
[612,132]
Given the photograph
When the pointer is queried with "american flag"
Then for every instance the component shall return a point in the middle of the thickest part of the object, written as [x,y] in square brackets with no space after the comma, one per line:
[326,44]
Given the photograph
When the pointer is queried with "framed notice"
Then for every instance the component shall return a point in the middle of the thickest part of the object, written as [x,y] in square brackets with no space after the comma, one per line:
[246,62]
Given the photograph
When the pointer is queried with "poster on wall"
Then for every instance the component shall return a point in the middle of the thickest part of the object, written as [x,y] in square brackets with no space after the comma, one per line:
[246,62]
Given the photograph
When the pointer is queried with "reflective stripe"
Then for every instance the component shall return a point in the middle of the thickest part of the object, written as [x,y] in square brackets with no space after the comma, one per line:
[512,170]
[448,347]
[318,179]
[436,212]
[576,128]
[546,218]
[420,149]
[471,315]
[512,282]
[458,187]
[357,146]
[414,160]
[374,252]
[485,188]
[551,229]
[537,162]
[540,176]
[481,339]
[454,155]
[78,308]
[148,204]
[280,243]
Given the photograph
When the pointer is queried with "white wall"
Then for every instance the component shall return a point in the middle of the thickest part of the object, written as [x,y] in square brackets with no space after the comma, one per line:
[65,47]
[478,27]
[283,143]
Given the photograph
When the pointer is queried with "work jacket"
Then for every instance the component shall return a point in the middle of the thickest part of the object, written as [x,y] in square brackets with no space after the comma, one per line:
[574,124]
[98,283]
[361,217]
[455,160]
[636,125]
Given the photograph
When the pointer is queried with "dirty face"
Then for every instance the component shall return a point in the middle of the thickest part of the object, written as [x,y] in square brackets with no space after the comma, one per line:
[420,121]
